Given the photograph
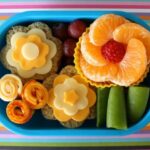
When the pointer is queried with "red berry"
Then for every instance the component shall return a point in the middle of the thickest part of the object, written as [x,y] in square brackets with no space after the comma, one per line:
[60,31]
[76,29]
[69,46]
[113,51]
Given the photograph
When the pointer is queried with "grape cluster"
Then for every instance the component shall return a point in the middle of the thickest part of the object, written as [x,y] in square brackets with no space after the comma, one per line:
[69,35]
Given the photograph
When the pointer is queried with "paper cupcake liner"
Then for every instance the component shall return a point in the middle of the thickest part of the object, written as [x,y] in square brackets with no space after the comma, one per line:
[143,77]
[98,84]
[78,68]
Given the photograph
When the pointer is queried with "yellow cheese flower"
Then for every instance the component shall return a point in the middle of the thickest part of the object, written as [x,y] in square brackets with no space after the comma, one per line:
[71,98]
[31,53]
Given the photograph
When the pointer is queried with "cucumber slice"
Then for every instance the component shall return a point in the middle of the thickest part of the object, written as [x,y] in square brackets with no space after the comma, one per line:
[137,102]
[102,99]
[116,109]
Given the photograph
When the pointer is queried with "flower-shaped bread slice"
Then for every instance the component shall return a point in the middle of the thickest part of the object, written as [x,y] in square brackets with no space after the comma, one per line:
[54,80]
[73,107]
[50,62]
[42,64]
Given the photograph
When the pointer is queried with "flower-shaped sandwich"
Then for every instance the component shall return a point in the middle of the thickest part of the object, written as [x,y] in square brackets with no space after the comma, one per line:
[71,99]
[113,51]
[32,52]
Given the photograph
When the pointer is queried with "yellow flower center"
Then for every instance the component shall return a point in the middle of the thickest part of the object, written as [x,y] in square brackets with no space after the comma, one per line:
[30,51]
[71,97]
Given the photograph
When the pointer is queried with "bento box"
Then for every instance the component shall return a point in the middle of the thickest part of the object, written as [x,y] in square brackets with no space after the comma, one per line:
[38,126]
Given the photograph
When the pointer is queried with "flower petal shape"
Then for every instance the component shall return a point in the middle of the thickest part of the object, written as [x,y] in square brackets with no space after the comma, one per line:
[81,115]
[126,32]
[70,98]
[98,74]
[101,30]
[91,53]
[133,65]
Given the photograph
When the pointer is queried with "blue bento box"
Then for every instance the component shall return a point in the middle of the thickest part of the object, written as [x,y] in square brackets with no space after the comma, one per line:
[38,125]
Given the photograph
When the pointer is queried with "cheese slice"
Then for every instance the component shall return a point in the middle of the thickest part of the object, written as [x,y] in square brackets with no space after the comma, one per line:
[10,87]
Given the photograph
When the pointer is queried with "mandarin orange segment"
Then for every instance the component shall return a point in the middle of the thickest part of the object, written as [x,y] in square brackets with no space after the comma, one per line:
[101,31]
[146,42]
[92,53]
[133,65]
[127,31]
[98,74]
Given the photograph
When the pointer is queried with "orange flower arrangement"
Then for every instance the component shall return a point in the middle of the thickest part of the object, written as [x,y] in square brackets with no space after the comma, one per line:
[113,51]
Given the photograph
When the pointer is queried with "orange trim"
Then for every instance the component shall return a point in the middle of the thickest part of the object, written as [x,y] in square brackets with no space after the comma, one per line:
[145,17]
[2,128]
[4,17]
[147,127]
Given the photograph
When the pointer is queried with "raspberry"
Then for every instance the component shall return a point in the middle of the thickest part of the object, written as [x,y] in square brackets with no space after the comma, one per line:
[113,51]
